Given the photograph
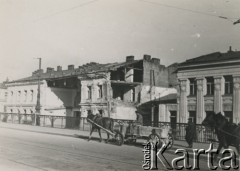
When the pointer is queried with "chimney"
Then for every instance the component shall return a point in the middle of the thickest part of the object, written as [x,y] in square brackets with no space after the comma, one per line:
[70,67]
[156,60]
[59,68]
[147,57]
[230,49]
[129,58]
[49,70]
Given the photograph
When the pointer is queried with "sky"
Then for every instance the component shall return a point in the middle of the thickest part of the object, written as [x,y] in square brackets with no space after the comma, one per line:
[65,32]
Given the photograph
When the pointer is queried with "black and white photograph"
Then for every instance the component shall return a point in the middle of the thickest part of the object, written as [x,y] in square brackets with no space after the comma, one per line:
[119,85]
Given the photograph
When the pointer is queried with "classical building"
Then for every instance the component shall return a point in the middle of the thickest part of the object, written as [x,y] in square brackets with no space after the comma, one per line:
[210,84]
[113,89]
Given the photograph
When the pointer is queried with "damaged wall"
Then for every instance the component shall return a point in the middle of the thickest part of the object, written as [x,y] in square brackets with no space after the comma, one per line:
[154,73]
[150,93]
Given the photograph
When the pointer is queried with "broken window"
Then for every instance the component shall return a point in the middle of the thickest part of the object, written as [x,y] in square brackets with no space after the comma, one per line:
[89,92]
[100,91]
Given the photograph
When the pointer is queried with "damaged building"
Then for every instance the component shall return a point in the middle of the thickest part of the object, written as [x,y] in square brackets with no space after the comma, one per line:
[113,90]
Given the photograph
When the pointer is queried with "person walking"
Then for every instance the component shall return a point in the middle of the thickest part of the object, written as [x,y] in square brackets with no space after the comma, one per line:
[190,133]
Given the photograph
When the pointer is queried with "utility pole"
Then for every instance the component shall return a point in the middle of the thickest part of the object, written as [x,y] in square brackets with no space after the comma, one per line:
[38,105]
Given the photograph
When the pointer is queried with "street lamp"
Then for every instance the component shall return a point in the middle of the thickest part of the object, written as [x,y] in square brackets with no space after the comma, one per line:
[38,104]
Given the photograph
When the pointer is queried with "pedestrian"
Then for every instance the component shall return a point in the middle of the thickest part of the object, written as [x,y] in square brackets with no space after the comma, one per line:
[190,133]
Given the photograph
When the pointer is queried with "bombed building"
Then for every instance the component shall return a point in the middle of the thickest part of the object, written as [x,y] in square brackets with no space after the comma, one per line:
[113,90]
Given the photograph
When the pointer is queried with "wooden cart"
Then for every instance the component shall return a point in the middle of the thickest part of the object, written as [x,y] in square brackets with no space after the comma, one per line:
[131,133]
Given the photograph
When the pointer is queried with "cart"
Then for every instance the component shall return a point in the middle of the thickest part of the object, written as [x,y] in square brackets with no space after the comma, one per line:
[116,134]
[160,135]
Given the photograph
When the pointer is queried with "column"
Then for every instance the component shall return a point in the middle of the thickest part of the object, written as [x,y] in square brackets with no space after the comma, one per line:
[236,99]
[200,100]
[218,94]
[183,101]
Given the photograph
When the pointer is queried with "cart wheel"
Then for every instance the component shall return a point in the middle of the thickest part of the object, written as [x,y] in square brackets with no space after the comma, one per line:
[118,138]
[171,140]
[155,138]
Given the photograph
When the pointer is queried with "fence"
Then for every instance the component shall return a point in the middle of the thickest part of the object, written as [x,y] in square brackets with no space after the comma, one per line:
[46,120]
[204,134]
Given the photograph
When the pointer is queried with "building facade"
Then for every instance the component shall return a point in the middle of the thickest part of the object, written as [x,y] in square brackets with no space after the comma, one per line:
[210,84]
[112,90]
[3,97]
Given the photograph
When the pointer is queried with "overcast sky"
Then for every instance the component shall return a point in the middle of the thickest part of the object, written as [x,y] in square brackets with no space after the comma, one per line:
[64,32]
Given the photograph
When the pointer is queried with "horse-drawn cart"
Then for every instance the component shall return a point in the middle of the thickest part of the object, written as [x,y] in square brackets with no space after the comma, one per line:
[132,132]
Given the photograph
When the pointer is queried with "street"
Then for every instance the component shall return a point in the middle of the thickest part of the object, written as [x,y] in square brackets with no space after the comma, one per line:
[27,151]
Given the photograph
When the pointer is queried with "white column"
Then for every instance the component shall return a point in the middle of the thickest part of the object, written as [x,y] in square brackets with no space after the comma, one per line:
[200,100]
[183,101]
[218,94]
[236,99]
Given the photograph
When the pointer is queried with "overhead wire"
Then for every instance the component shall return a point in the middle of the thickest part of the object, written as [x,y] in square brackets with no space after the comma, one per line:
[193,11]
[65,10]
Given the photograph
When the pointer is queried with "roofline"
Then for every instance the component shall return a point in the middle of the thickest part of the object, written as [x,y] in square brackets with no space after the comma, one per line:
[209,64]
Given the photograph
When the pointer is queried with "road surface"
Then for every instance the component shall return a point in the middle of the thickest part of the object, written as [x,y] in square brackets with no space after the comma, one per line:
[32,151]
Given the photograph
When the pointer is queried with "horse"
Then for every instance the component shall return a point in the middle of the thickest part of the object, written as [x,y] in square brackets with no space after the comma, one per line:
[106,123]
[227,133]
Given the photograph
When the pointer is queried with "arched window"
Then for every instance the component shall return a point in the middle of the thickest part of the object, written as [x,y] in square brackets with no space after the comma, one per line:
[19,96]
[100,92]
[89,92]
[31,95]
[25,95]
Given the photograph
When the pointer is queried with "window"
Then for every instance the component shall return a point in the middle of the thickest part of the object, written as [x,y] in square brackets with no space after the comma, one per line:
[89,92]
[100,93]
[228,84]
[193,87]
[11,96]
[19,96]
[210,85]
[25,95]
[31,95]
